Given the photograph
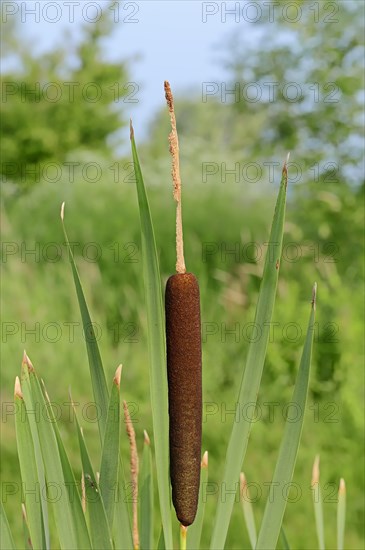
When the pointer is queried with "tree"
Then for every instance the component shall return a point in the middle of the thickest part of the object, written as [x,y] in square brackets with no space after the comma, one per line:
[65,101]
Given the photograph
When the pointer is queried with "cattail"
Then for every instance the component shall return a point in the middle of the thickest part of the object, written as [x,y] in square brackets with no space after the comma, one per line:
[184,363]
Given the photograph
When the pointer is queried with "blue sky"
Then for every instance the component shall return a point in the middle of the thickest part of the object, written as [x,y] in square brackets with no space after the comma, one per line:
[175,40]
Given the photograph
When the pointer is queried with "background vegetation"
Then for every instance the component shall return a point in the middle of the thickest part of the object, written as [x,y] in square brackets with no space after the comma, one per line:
[222,212]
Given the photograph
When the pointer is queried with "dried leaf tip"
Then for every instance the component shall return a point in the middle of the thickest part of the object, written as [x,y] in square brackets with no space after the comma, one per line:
[315,471]
[63,211]
[24,512]
[147,440]
[204,463]
[243,482]
[342,487]
[314,296]
[285,169]
[18,389]
[27,362]
[117,376]
[131,130]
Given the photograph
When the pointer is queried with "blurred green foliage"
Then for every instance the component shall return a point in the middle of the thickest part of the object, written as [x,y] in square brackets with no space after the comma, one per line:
[65,101]
[323,242]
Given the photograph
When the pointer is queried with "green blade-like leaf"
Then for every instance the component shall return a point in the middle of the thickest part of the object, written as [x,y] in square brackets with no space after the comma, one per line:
[161,541]
[70,523]
[26,533]
[146,497]
[99,385]
[71,485]
[110,455]
[284,540]
[250,382]
[157,349]
[317,504]
[195,530]
[98,523]
[247,510]
[32,420]
[275,504]
[28,469]
[122,530]
[7,542]
[341,515]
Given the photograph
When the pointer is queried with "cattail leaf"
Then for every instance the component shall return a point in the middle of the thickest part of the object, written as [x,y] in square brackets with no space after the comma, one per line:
[318,504]
[251,378]
[341,515]
[28,544]
[284,540]
[32,421]
[284,469]
[146,497]
[161,541]
[98,523]
[7,541]
[70,522]
[110,454]
[28,470]
[99,385]
[156,348]
[247,510]
[122,530]
[195,530]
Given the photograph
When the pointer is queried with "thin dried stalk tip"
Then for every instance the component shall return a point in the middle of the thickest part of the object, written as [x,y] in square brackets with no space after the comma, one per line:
[342,487]
[117,376]
[63,211]
[134,472]
[315,471]
[24,512]
[131,130]
[175,172]
[314,296]
[18,389]
[204,463]
[147,440]
[27,362]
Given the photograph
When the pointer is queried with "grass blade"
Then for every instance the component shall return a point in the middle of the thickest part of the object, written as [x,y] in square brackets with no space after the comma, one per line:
[317,503]
[146,494]
[97,374]
[99,528]
[247,510]
[157,349]
[195,530]
[341,515]
[251,378]
[275,504]
[110,455]
[7,542]
[28,469]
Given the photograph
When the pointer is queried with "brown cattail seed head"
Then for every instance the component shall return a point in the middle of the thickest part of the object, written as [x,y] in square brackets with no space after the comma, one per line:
[183,341]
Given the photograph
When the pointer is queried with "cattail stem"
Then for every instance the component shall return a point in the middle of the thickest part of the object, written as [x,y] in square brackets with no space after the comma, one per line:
[183,535]
[174,150]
